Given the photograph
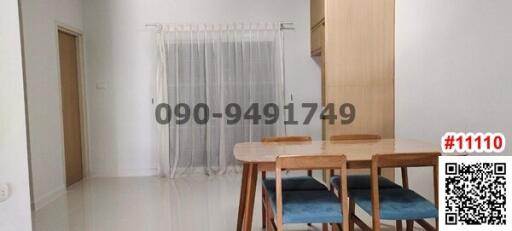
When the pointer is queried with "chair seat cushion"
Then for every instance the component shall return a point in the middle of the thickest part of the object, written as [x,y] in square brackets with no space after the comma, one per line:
[363,182]
[294,183]
[396,204]
[301,207]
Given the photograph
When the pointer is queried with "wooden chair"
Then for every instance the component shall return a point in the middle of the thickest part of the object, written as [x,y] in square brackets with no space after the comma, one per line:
[280,139]
[359,181]
[406,204]
[321,206]
[291,183]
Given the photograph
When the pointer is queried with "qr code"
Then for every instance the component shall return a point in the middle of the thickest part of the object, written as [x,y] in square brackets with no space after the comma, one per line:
[473,193]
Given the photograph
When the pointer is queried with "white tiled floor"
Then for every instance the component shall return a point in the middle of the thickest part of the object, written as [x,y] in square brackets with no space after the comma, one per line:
[150,203]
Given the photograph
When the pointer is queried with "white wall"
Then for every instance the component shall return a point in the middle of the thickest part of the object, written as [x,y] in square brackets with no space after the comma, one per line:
[453,61]
[121,53]
[40,20]
[15,211]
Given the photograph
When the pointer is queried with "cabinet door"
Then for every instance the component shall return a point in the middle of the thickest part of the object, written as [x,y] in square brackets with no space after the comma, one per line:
[317,11]
[359,65]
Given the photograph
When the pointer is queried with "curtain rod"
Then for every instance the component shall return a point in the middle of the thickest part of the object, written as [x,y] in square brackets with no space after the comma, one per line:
[283,26]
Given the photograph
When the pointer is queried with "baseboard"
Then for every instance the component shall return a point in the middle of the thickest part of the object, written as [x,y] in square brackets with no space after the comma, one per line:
[123,172]
[154,172]
[48,198]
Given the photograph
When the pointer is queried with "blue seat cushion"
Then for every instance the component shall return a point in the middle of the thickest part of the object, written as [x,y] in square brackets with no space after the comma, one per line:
[396,204]
[300,207]
[363,182]
[294,183]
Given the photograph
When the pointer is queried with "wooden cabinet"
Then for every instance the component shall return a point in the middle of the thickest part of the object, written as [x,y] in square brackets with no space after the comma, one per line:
[357,62]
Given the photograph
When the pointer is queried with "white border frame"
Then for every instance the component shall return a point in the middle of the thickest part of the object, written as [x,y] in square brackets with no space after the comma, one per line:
[82,89]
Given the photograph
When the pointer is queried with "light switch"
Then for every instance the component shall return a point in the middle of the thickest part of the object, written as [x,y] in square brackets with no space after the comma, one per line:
[4,192]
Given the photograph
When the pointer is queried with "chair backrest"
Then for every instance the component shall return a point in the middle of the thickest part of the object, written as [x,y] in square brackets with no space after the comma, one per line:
[405,160]
[298,162]
[354,137]
[402,161]
[286,139]
[309,162]
[278,139]
[345,137]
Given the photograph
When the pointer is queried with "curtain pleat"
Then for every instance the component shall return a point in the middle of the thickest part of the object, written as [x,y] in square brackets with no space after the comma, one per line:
[216,65]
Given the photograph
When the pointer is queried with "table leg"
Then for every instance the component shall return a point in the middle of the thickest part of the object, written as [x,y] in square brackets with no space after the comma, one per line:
[250,194]
[241,205]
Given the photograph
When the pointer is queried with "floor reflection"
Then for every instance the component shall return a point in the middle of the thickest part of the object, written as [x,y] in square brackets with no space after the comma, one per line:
[150,203]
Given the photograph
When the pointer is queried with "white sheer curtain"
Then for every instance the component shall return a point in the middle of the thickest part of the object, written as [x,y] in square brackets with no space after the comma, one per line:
[216,65]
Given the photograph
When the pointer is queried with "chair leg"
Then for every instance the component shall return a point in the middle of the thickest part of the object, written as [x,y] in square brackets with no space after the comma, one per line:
[263,204]
[427,226]
[263,209]
[398,225]
[269,216]
[376,225]
[325,227]
[410,225]
[352,210]
[363,226]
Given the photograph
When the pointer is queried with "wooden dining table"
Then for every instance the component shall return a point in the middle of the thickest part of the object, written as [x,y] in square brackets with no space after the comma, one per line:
[257,156]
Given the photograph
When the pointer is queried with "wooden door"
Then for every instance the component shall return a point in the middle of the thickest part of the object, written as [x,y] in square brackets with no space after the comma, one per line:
[69,76]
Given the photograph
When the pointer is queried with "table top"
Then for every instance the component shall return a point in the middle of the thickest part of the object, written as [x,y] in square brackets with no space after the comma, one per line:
[354,150]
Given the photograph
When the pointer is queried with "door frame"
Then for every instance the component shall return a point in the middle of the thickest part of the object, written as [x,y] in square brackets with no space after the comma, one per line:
[82,89]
